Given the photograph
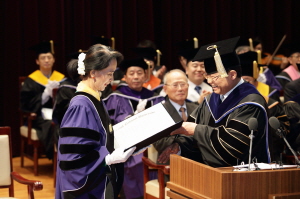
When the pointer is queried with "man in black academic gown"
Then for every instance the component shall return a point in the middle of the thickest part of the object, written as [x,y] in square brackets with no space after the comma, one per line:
[220,124]
[36,93]
[176,89]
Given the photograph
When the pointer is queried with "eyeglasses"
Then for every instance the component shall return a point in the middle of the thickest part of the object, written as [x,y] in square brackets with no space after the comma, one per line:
[176,85]
[215,78]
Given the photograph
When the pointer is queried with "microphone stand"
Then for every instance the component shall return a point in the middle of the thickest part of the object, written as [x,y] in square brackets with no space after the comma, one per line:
[251,136]
[292,150]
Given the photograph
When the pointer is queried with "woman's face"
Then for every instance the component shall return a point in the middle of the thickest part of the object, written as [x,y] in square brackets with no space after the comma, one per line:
[104,77]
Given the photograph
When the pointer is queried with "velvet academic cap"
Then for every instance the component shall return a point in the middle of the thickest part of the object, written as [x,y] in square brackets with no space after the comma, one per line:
[146,53]
[43,47]
[101,40]
[187,49]
[139,62]
[226,49]
[246,60]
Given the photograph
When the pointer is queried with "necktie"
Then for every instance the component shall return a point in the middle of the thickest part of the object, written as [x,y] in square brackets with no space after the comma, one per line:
[198,89]
[222,98]
[183,115]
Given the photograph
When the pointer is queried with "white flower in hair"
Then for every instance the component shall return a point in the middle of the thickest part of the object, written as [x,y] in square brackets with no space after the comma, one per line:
[81,66]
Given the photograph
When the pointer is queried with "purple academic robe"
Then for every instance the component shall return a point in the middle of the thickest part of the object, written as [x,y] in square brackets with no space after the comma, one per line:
[121,104]
[85,140]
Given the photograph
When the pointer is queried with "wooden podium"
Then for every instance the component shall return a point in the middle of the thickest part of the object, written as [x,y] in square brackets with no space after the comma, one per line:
[190,179]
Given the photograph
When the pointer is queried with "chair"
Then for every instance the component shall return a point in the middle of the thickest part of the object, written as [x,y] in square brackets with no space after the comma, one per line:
[7,175]
[154,188]
[29,136]
[54,92]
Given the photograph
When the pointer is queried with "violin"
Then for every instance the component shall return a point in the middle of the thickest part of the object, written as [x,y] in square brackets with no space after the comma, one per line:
[275,61]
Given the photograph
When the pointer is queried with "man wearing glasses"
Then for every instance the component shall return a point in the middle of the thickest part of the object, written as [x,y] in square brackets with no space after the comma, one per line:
[291,73]
[219,125]
[176,89]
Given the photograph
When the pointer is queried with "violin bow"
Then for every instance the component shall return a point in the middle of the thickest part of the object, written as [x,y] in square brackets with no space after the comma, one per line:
[277,48]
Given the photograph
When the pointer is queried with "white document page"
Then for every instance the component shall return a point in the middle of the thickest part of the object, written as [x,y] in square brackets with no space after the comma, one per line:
[47,113]
[142,126]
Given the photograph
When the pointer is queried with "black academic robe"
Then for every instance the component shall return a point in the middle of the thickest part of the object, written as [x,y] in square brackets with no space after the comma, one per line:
[163,143]
[63,97]
[283,78]
[291,89]
[222,132]
[31,101]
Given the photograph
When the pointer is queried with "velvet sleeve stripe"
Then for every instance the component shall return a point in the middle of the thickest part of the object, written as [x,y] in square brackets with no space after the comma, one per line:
[79,163]
[239,126]
[79,132]
[76,148]
[111,112]
[221,150]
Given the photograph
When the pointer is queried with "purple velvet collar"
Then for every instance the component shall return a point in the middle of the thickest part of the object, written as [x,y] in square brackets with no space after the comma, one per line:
[145,93]
[218,109]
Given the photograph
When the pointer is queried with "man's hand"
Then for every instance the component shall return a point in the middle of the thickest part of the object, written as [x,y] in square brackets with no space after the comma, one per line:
[165,155]
[161,72]
[203,95]
[187,128]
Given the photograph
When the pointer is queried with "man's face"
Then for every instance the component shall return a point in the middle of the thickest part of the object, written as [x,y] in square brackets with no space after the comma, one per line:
[135,77]
[45,61]
[221,85]
[176,87]
[195,71]
[294,59]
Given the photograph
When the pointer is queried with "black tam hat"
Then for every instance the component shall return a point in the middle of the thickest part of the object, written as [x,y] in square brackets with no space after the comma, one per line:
[219,56]
[43,47]
[188,49]
[247,65]
[146,53]
[133,62]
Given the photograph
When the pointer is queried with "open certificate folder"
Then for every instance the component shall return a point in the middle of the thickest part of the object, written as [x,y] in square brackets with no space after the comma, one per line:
[144,128]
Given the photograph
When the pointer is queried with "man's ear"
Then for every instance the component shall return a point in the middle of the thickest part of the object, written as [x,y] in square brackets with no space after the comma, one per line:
[232,74]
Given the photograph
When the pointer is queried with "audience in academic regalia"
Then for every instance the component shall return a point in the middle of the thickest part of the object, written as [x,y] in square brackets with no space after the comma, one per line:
[130,98]
[36,93]
[219,124]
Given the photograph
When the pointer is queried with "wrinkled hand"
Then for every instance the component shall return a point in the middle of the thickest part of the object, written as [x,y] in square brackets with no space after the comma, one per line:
[141,106]
[118,156]
[203,95]
[187,128]
[50,86]
[165,155]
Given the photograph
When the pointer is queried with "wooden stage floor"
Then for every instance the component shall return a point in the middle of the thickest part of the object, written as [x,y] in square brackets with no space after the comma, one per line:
[45,175]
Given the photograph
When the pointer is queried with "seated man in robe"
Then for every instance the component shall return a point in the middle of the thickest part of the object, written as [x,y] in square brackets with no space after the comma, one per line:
[219,125]
[36,93]
[130,98]
[176,88]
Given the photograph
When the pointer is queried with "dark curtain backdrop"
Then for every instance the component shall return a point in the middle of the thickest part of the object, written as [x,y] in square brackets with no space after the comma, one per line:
[71,23]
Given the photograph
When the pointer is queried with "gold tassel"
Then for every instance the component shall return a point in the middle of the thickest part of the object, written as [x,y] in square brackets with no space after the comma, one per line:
[255,70]
[195,42]
[158,57]
[218,61]
[258,57]
[113,43]
[251,44]
[52,46]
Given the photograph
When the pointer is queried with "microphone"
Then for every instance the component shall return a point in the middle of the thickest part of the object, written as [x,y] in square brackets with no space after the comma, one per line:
[274,123]
[252,124]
